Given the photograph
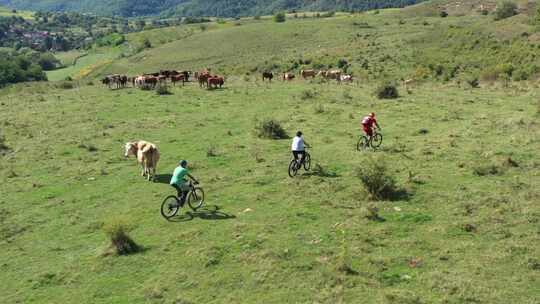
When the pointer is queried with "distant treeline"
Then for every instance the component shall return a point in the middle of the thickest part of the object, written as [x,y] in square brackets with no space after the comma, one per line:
[20,66]
[219,8]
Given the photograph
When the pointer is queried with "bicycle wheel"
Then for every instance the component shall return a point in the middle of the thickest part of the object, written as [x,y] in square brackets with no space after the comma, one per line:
[196,198]
[307,162]
[293,168]
[376,140]
[362,143]
[170,206]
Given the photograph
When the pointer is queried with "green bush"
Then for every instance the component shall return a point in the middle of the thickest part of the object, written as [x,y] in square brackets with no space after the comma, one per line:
[146,43]
[270,128]
[3,146]
[308,94]
[387,90]
[443,14]
[121,243]
[280,17]
[48,62]
[472,81]
[66,85]
[163,90]
[505,10]
[376,179]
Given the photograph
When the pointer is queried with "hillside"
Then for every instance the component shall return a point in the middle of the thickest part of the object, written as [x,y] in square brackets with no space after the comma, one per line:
[220,8]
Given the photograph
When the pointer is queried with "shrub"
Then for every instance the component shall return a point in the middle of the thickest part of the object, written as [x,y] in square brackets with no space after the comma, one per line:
[343,64]
[483,170]
[472,81]
[66,85]
[372,213]
[121,243]
[376,179]
[48,62]
[505,10]
[387,90]
[163,90]
[536,19]
[308,94]
[272,129]
[146,43]
[280,17]
[212,152]
[257,17]
[3,146]
[443,14]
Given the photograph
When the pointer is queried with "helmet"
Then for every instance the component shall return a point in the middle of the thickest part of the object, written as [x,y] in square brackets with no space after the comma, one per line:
[299,133]
[183,163]
[372,114]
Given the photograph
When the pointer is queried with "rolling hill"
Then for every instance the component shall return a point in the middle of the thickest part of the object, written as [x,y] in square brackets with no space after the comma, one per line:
[220,8]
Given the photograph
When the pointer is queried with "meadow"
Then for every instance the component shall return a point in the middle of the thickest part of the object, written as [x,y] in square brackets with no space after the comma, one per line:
[264,236]
[462,227]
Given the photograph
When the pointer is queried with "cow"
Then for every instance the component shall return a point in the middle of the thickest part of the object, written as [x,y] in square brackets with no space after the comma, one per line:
[333,74]
[146,81]
[185,74]
[346,78]
[308,73]
[177,78]
[122,81]
[215,81]
[147,155]
[106,81]
[267,75]
[287,76]
[203,78]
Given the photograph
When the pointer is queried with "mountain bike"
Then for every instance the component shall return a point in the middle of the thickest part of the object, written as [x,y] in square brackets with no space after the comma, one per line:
[296,165]
[374,142]
[172,203]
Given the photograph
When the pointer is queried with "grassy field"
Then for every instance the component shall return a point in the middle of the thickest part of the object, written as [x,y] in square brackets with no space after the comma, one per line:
[273,239]
[462,227]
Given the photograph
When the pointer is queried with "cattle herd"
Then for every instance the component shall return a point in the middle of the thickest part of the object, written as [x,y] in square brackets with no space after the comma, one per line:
[337,75]
[152,80]
[207,80]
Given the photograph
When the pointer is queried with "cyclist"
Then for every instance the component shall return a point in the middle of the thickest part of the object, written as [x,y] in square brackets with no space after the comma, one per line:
[179,182]
[299,147]
[367,124]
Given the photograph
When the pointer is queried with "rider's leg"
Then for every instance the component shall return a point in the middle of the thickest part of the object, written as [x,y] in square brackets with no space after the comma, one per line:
[295,155]
[185,190]
[369,133]
[303,157]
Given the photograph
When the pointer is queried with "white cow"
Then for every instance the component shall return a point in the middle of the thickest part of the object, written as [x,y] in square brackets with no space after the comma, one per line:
[147,155]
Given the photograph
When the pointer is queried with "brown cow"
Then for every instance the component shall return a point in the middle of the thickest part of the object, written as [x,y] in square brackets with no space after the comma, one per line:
[308,73]
[203,78]
[288,76]
[147,155]
[177,78]
[215,81]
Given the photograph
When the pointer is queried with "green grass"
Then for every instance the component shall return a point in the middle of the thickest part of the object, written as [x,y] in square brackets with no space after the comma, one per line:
[83,65]
[462,229]
[288,248]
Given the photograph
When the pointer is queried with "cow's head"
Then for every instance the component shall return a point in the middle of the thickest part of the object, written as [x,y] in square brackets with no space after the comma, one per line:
[130,149]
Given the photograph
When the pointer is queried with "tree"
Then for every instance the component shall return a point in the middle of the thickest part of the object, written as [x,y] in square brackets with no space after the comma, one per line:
[48,62]
[505,10]
[280,17]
